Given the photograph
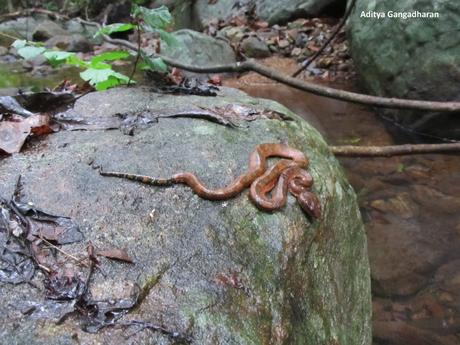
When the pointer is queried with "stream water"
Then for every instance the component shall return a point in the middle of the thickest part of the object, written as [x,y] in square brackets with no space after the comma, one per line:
[410,206]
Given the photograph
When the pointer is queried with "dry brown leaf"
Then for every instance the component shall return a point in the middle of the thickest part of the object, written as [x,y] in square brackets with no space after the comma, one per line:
[115,254]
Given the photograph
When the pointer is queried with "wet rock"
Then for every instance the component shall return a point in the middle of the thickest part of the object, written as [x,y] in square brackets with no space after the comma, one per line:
[410,58]
[3,51]
[430,198]
[71,43]
[205,12]
[253,47]
[448,279]
[291,279]
[283,44]
[272,12]
[401,252]
[401,205]
[20,27]
[199,49]
[233,33]
[75,27]
[267,10]
[47,29]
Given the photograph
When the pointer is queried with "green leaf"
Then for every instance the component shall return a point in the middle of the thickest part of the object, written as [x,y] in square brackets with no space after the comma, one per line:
[75,61]
[112,28]
[29,52]
[57,57]
[155,18]
[109,56]
[168,38]
[99,65]
[18,44]
[155,64]
[101,78]
[106,84]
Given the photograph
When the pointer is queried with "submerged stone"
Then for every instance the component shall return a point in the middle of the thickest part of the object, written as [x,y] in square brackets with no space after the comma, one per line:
[222,272]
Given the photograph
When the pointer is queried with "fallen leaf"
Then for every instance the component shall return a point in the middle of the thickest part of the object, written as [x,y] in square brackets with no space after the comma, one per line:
[215,80]
[115,254]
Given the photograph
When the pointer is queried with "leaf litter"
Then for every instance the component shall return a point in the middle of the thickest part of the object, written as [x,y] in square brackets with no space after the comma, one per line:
[31,240]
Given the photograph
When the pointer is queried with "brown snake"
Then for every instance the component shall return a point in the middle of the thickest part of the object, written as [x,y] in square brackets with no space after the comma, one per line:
[288,174]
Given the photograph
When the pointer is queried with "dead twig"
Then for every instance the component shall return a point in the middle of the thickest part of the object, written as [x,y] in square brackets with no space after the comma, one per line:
[138,54]
[307,62]
[29,11]
[79,261]
[393,150]
[320,90]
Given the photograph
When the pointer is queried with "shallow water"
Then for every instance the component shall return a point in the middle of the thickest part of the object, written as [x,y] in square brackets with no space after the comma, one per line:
[411,209]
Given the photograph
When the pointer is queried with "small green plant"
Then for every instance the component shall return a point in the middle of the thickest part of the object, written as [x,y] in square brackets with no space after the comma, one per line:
[98,70]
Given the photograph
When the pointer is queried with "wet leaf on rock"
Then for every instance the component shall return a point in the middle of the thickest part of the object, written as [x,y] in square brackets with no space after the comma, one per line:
[105,313]
[61,230]
[61,287]
[116,254]
[13,134]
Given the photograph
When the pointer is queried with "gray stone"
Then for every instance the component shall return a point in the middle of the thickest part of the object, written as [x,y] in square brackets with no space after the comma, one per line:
[412,58]
[272,11]
[199,49]
[253,47]
[71,43]
[73,26]
[305,282]
[21,27]
[47,29]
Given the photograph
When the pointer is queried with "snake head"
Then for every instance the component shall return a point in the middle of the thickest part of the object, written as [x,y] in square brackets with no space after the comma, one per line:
[310,204]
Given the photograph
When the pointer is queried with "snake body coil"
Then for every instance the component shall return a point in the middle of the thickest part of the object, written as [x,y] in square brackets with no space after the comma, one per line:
[288,174]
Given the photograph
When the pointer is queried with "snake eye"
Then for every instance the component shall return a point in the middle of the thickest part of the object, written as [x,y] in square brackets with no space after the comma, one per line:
[310,204]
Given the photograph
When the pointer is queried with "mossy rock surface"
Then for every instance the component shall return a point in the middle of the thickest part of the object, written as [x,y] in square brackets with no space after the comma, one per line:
[195,48]
[413,58]
[303,281]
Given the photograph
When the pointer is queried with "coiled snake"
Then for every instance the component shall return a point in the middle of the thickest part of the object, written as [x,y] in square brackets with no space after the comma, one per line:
[288,174]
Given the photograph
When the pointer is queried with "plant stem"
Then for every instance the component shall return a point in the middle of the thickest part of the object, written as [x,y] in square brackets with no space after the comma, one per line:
[138,53]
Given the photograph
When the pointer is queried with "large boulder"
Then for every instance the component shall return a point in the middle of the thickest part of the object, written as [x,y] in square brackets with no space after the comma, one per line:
[199,49]
[39,28]
[271,11]
[22,27]
[222,272]
[275,12]
[414,58]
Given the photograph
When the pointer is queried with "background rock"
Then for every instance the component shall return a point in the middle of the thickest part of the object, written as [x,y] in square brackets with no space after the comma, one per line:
[71,43]
[255,48]
[275,12]
[199,49]
[271,11]
[412,58]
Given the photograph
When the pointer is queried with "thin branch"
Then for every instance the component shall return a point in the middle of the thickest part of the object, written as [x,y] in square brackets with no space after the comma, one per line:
[29,11]
[393,150]
[138,54]
[342,22]
[79,261]
[320,90]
